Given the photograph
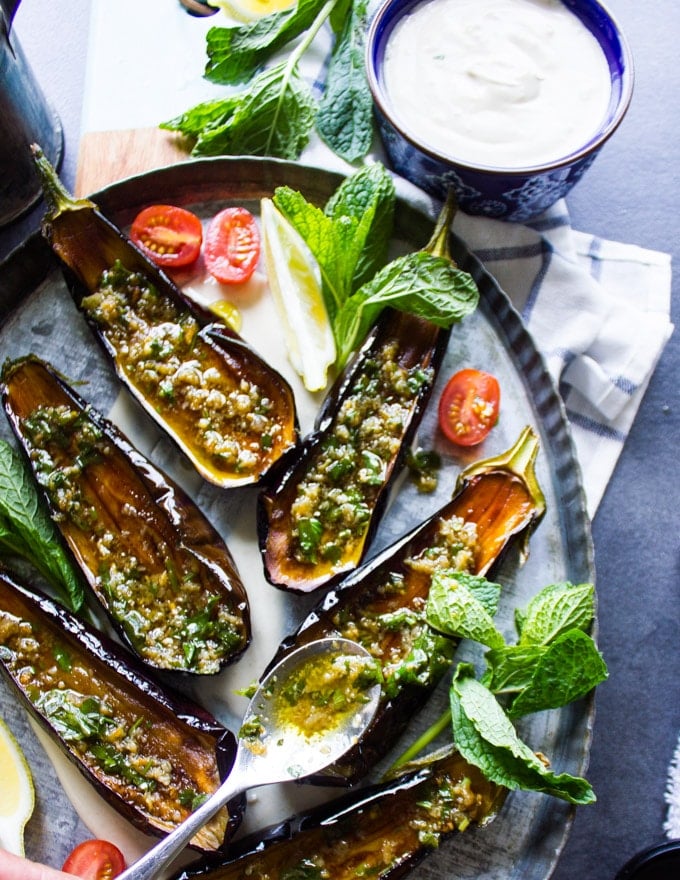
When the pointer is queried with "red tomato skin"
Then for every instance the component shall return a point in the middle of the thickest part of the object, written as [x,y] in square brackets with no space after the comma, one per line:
[232,246]
[95,860]
[168,235]
[468,407]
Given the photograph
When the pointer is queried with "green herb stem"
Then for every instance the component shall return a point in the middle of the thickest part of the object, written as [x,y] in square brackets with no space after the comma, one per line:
[316,26]
[294,58]
[423,741]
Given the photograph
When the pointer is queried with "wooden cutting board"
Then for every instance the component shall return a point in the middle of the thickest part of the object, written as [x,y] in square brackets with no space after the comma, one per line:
[108,156]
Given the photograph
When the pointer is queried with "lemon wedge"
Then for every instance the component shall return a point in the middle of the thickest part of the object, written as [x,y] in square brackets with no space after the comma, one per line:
[227,312]
[295,283]
[17,797]
[251,10]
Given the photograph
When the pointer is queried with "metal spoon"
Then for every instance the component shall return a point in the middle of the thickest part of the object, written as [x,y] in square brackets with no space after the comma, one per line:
[276,750]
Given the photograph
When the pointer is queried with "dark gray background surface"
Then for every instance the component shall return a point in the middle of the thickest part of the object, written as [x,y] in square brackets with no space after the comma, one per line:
[631,194]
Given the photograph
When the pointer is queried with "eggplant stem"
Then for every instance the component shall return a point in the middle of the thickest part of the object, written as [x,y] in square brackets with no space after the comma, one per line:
[57,197]
[520,460]
[438,245]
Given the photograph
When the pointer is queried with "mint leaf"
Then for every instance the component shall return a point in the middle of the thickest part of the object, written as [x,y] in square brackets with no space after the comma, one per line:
[341,10]
[27,531]
[486,738]
[273,116]
[330,242]
[453,608]
[345,117]
[369,197]
[510,668]
[556,609]
[209,114]
[566,670]
[419,283]
[486,592]
[235,54]
[350,237]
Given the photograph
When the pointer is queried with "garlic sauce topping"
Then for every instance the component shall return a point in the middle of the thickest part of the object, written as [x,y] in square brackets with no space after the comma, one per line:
[505,83]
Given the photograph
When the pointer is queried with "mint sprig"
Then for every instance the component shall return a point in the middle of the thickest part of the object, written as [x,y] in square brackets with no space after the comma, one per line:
[349,239]
[236,53]
[554,662]
[546,677]
[284,110]
[273,116]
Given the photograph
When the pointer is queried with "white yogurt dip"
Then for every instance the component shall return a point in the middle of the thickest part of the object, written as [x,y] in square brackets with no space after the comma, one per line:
[505,83]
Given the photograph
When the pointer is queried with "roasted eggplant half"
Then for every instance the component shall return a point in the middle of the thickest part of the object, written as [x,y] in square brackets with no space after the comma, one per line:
[226,409]
[153,755]
[316,524]
[317,521]
[381,832]
[381,604]
[160,570]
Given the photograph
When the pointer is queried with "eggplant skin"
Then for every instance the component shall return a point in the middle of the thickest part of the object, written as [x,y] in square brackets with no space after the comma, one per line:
[382,831]
[102,709]
[160,571]
[380,605]
[89,246]
[365,417]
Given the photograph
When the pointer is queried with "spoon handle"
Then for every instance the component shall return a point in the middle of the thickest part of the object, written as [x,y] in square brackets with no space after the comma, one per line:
[162,854]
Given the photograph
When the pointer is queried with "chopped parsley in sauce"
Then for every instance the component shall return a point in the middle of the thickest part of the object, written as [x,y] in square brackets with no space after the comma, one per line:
[159,592]
[334,501]
[320,695]
[228,420]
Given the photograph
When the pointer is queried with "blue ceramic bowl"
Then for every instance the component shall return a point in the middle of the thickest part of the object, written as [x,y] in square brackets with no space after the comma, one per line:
[503,193]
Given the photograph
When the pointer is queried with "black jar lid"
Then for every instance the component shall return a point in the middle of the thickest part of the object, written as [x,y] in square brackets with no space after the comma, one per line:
[659,862]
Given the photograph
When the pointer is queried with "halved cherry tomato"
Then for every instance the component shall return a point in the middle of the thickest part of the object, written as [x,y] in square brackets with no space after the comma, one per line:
[468,407]
[95,860]
[232,246]
[168,235]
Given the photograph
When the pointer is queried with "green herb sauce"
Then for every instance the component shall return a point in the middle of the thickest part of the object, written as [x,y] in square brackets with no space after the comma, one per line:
[334,502]
[391,623]
[324,691]
[227,418]
[156,591]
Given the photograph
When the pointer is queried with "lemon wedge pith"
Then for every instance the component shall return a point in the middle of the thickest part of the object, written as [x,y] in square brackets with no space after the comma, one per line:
[17,797]
[295,284]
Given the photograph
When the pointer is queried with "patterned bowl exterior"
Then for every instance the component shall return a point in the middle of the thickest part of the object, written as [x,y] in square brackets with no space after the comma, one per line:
[506,194]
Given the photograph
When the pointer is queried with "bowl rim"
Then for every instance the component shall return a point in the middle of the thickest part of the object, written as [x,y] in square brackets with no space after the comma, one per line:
[382,22]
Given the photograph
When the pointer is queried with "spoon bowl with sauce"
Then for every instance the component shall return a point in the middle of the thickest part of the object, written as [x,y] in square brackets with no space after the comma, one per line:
[306,713]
